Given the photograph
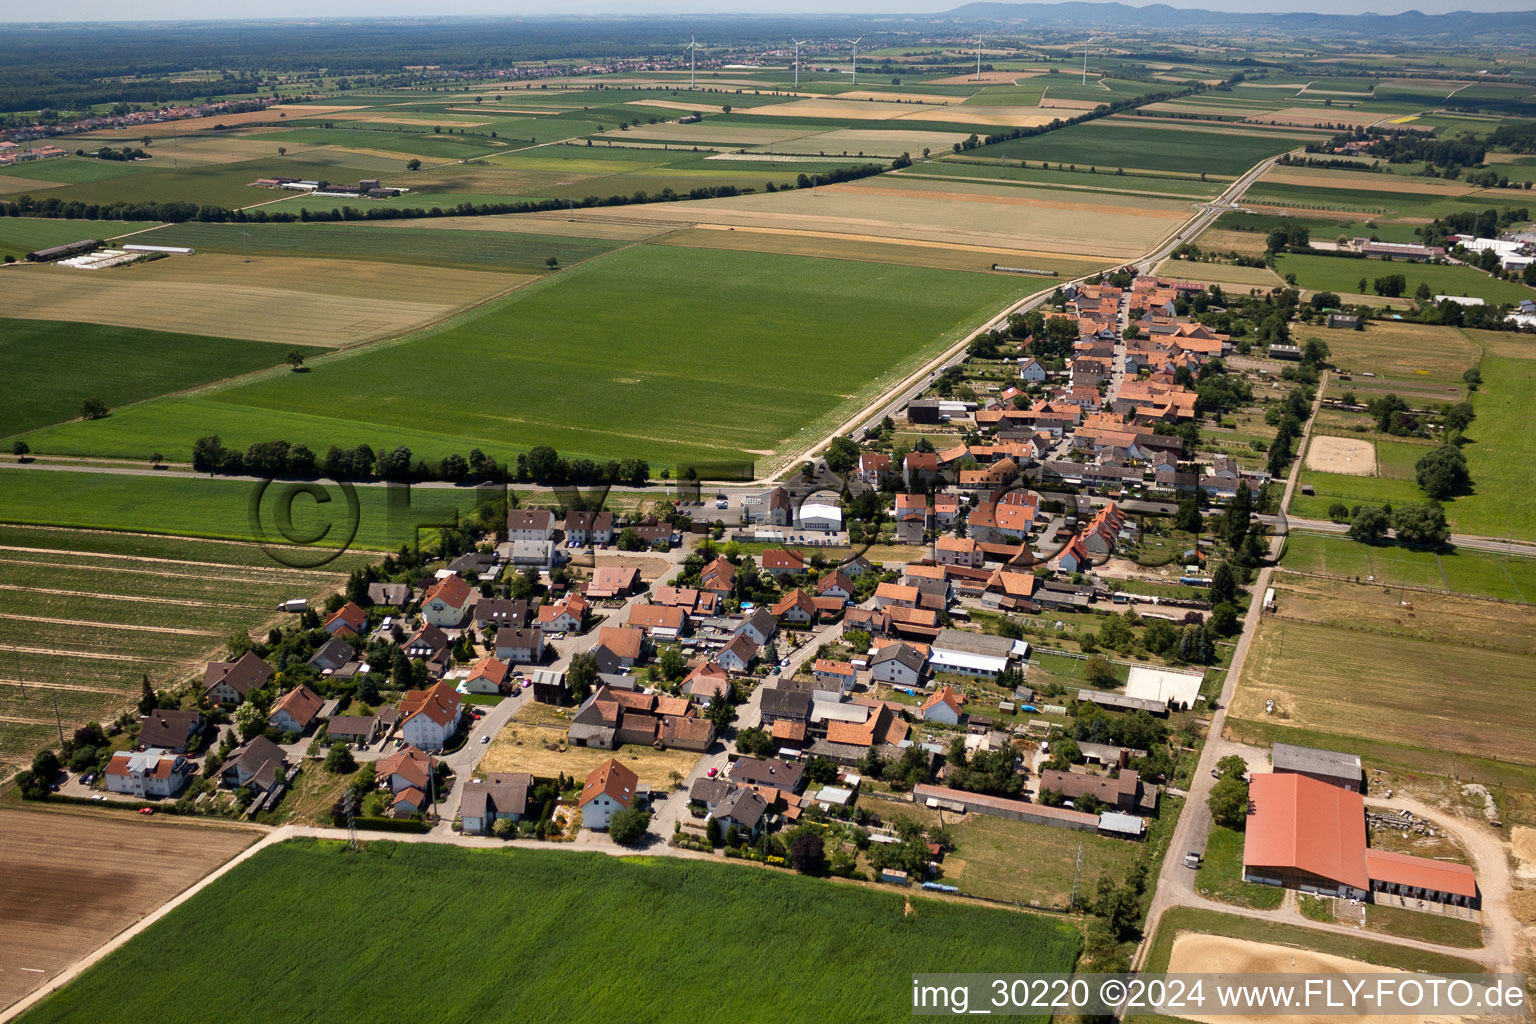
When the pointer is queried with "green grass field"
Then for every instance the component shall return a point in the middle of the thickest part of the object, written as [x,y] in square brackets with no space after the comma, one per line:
[840,952]
[504,250]
[226,185]
[1221,874]
[681,356]
[221,508]
[86,615]
[1460,571]
[1112,143]
[21,235]
[1332,273]
[116,364]
[72,170]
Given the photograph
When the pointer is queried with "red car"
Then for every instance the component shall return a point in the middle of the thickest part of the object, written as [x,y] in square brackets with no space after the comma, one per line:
[146,810]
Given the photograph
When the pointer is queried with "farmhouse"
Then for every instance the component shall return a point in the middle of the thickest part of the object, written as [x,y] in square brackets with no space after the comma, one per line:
[1330,766]
[1121,793]
[1309,835]
[610,788]
[971,654]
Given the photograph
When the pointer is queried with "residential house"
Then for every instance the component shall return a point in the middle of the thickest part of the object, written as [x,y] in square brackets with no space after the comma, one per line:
[706,682]
[1032,371]
[618,648]
[743,810]
[358,730]
[585,529]
[898,664]
[918,468]
[946,509]
[147,774]
[835,584]
[169,729]
[331,655]
[781,562]
[838,675]
[895,594]
[350,618]
[501,612]
[914,507]
[761,625]
[532,524]
[426,643]
[446,603]
[389,595]
[520,646]
[407,768]
[942,707]
[258,764]
[770,772]
[610,788]
[430,717]
[781,705]
[611,581]
[959,551]
[488,676]
[1074,557]
[873,466]
[796,608]
[500,795]
[566,616]
[230,682]
[697,603]
[529,554]
[659,622]
[718,577]
[738,655]
[1123,792]
[297,710]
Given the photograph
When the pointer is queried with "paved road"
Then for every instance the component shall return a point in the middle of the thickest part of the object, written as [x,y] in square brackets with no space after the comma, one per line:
[1499,545]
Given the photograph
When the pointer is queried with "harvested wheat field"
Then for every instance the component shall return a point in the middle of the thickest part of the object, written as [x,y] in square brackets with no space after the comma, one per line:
[851,110]
[1215,954]
[1374,182]
[987,78]
[202,124]
[314,302]
[1003,117]
[875,141]
[1341,455]
[1313,117]
[1224,274]
[119,868]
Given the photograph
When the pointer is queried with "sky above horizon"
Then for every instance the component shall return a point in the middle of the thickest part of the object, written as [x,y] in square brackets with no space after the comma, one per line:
[169,10]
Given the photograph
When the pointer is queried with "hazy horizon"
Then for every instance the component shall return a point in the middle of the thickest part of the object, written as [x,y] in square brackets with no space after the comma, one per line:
[68,11]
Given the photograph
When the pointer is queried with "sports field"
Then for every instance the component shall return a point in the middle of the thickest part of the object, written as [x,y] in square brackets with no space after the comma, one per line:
[1458,571]
[116,364]
[85,615]
[1336,274]
[1466,661]
[833,944]
[296,301]
[120,867]
[677,355]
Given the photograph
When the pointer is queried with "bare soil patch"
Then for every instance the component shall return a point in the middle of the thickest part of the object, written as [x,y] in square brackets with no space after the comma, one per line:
[1341,455]
[118,869]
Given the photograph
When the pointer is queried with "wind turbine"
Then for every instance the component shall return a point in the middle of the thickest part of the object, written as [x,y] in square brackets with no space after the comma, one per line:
[1085,57]
[855,43]
[798,43]
[978,58]
[693,46]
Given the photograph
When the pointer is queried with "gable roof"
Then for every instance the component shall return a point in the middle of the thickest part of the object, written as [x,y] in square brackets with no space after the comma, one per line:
[493,669]
[621,641]
[164,727]
[301,703]
[613,780]
[782,558]
[944,696]
[438,703]
[410,763]
[656,616]
[451,590]
[1298,822]
[247,673]
[350,615]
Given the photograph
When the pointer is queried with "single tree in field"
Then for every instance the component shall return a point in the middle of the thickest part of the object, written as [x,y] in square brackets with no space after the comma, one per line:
[413,165]
[94,409]
[294,358]
[282,150]
[552,262]
[21,450]
[155,459]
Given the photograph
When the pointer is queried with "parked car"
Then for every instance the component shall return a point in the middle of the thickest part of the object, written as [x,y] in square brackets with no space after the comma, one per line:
[146,810]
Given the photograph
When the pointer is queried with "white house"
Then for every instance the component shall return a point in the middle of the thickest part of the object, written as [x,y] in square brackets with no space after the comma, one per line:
[296,710]
[486,801]
[148,773]
[430,716]
[897,664]
[1032,371]
[609,789]
[839,675]
[520,646]
[446,603]
[770,508]
[534,524]
[943,707]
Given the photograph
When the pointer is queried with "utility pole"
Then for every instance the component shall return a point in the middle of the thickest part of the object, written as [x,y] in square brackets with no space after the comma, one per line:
[1077,874]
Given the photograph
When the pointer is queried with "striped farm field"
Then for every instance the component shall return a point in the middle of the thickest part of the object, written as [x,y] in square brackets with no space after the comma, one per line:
[84,615]
[1114,142]
[290,300]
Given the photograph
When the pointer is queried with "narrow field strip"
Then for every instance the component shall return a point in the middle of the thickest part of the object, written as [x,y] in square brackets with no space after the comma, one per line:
[274,569]
[92,655]
[122,597]
[150,572]
[111,625]
[38,684]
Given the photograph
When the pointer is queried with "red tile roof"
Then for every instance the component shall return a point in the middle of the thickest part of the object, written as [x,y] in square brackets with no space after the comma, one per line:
[1301,824]
[452,590]
[611,778]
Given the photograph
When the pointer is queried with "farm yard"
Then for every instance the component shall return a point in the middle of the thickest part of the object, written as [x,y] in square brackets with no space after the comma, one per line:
[831,939]
[1469,672]
[119,868]
[86,615]
[808,340]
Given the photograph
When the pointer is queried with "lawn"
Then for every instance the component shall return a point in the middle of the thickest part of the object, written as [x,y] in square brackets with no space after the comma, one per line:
[1398,351]
[116,364]
[1220,875]
[21,235]
[680,356]
[660,928]
[503,250]
[226,185]
[1466,663]
[1460,570]
[1029,863]
[1501,452]
[1424,927]
[1111,143]
[1340,274]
